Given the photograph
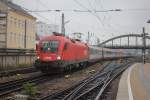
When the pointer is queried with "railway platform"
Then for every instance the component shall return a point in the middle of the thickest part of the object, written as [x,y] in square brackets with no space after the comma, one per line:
[135,83]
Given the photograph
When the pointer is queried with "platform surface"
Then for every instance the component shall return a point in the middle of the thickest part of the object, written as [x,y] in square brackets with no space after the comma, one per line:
[135,83]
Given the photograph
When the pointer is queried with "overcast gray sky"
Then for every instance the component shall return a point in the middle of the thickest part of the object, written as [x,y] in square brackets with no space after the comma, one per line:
[103,24]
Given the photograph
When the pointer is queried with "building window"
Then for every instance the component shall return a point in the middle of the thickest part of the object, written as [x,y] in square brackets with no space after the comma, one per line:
[11,21]
[20,40]
[23,40]
[17,39]
[12,36]
[23,24]
[19,24]
[15,21]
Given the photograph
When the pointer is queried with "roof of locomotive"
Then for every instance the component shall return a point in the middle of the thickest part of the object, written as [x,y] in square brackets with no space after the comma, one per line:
[60,37]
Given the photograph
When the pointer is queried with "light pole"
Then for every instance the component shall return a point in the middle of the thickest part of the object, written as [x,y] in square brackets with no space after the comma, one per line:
[66,22]
[63,24]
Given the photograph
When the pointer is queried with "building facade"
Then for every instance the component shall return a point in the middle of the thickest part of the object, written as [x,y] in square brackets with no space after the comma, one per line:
[17,27]
[46,29]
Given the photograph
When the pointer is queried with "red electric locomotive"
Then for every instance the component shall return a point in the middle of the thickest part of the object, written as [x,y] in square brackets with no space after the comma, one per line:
[59,53]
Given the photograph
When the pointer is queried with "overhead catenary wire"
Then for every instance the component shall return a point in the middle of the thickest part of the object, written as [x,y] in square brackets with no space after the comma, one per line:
[95,13]
[109,15]
[43,4]
[47,7]
[90,11]
[94,9]
[82,11]
[77,2]
[37,14]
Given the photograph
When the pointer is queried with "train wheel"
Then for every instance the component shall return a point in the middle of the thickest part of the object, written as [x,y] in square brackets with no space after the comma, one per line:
[67,68]
[81,65]
[85,64]
[61,70]
[70,68]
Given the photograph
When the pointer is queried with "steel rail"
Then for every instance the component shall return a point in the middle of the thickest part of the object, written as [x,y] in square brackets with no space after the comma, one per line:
[81,89]
[17,85]
[109,81]
[73,93]
[17,71]
[78,90]
[101,86]
[62,93]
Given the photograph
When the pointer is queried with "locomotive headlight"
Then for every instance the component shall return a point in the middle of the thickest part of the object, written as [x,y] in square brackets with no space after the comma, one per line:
[58,57]
[38,57]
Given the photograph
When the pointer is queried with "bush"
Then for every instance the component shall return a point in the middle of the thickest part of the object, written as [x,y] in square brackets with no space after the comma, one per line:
[30,89]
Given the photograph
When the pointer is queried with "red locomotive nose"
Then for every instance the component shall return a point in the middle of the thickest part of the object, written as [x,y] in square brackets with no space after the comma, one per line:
[49,50]
[49,57]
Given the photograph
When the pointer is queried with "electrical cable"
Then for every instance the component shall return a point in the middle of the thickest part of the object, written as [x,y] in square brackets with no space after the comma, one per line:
[77,2]
[37,14]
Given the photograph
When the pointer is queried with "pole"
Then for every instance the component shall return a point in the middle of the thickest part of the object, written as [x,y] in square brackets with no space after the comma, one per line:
[136,41]
[98,41]
[88,38]
[144,45]
[128,41]
[120,41]
[63,25]
[25,34]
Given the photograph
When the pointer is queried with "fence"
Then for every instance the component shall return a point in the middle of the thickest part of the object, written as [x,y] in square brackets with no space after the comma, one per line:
[12,58]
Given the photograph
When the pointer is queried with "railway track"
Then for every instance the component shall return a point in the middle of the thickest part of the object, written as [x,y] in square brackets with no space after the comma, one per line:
[95,92]
[17,71]
[16,85]
[69,89]
[92,87]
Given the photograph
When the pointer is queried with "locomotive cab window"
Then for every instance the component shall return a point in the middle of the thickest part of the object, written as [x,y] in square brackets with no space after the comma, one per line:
[50,46]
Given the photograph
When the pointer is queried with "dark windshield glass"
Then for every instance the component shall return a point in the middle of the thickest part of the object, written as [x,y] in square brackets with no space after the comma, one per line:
[50,46]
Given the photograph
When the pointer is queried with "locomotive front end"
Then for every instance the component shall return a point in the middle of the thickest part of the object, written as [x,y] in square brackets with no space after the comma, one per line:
[49,51]
[48,55]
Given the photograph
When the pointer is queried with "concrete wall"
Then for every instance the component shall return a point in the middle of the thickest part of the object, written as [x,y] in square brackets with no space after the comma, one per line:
[14,61]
